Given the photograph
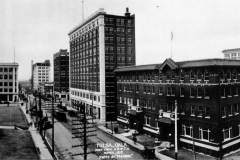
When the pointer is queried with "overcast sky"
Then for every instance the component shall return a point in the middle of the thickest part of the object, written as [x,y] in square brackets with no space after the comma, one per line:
[39,28]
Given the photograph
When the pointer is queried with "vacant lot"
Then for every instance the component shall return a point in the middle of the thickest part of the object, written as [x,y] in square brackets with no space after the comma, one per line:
[17,145]
[11,115]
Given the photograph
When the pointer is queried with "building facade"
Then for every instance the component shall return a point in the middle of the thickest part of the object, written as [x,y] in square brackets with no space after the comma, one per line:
[41,73]
[98,45]
[206,93]
[61,74]
[231,53]
[9,82]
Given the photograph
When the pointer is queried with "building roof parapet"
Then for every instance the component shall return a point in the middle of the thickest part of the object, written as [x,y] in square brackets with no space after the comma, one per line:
[227,50]
[61,52]
[181,64]
[8,64]
[94,15]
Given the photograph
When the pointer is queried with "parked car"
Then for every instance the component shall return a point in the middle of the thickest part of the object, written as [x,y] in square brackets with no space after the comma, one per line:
[72,113]
[47,125]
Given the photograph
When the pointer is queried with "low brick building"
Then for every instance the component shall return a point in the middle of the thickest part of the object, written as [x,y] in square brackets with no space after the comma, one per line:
[207,96]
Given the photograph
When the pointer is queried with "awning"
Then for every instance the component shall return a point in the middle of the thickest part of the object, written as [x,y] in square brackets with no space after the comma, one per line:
[165,120]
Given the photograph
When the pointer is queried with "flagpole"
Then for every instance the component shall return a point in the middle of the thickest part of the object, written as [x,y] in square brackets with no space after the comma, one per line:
[171,49]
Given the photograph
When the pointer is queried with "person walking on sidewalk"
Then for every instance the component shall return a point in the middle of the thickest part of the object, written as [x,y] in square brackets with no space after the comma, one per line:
[134,138]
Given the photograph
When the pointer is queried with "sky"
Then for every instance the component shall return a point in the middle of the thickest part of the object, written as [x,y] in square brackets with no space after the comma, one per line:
[201,29]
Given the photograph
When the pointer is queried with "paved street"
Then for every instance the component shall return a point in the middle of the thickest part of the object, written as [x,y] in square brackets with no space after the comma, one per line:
[63,143]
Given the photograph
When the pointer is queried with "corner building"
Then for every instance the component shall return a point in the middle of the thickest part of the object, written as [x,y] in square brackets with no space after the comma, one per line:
[98,45]
[9,82]
[207,95]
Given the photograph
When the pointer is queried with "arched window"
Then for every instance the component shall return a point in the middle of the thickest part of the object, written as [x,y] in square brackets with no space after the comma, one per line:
[222,75]
[228,74]
[199,75]
[206,76]
[234,75]
[192,76]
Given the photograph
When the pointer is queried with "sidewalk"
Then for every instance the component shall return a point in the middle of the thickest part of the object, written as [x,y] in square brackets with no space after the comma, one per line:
[137,146]
[43,152]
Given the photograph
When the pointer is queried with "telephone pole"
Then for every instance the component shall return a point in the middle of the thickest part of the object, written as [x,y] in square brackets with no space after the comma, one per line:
[176,147]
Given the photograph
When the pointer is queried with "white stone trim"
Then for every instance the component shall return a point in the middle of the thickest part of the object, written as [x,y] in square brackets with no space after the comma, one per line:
[200,144]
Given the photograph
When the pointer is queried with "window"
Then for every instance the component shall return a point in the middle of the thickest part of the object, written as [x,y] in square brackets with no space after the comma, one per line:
[137,89]
[228,75]
[229,92]
[147,120]
[191,76]
[206,93]
[192,110]
[137,102]
[168,91]
[191,92]
[125,100]
[173,77]
[199,75]
[149,89]
[236,109]
[182,92]
[227,133]
[200,110]
[160,91]
[222,75]
[153,89]
[235,91]
[230,110]
[182,76]
[160,77]
[144,89]
[168,77]
[120,112]
[120,99]
[144,103]
[207,112]
[223,93]
[204,134]
[206,76]
[199,93]
[224,111]
[120,87]
[187,130]
[170,107]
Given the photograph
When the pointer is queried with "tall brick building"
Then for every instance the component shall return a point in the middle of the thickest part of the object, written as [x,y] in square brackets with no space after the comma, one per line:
[61,73]
[207,95]
[98,45]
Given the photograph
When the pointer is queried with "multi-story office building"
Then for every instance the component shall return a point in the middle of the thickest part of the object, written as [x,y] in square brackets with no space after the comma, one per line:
[97,46]
[41,73]
[207,96]
[9,82]
[61,74]
[231,53]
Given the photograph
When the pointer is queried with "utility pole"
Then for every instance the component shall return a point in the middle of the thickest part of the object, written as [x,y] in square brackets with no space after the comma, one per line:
[82,131]
[40,113]
[53,125]
[176,147]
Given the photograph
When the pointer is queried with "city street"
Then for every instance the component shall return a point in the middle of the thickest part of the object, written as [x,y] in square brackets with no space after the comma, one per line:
[64,142]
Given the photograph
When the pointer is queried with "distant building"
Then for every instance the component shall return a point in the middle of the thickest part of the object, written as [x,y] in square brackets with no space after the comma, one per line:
[98,45]
[46,88]
[41,73]
[61,74]
[207,96]
[9,82]
[231,53]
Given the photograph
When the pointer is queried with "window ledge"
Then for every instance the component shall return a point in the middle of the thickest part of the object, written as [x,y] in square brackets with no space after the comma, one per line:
[199,97]
[236,113]
[182,96]
[206,97]
[230,115]
[223,97]
[229,96]
[223,116]
[192,115]
[199,116]
[235,95]
[191,97]
[208,117]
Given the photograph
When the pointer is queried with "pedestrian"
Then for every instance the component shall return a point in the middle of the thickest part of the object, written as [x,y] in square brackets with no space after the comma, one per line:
[134,139]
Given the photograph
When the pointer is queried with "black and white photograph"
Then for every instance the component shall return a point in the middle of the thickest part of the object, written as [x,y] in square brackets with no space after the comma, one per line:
[119,80]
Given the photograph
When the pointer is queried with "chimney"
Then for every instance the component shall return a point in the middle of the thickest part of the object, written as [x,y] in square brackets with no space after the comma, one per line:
[127,14]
